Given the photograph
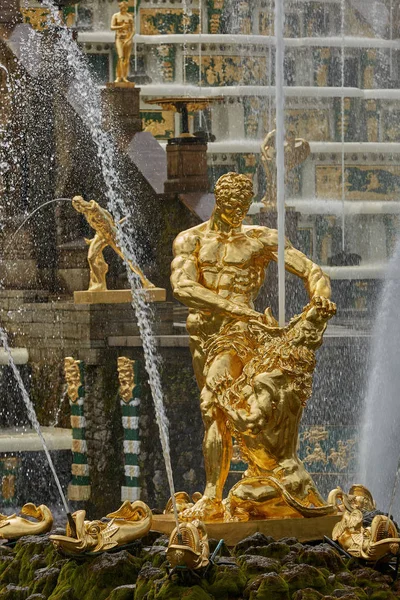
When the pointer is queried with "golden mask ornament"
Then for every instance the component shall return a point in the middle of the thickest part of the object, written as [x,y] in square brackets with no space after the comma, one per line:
[126,376]
[73,377]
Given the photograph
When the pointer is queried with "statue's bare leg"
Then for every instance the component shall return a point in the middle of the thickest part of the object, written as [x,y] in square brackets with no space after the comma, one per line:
[134,268]
[97,265]
[119,46]
[127,54]
[217,442]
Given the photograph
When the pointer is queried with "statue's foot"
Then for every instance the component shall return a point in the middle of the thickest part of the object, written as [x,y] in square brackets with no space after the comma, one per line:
[205,509]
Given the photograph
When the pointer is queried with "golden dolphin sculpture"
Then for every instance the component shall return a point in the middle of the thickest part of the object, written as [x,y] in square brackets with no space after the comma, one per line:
[128,523]
[189,547]
[378,541]
[13,527]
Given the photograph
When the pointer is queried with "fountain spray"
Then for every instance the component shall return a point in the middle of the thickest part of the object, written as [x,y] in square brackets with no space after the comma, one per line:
[35,424]
[87,95]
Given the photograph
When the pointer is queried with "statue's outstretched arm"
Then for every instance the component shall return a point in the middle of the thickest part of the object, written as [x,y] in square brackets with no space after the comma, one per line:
[187,289]
[315,280]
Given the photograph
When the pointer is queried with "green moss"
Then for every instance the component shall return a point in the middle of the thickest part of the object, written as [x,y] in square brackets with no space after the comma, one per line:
[268,587]
[170,590]
[227,582]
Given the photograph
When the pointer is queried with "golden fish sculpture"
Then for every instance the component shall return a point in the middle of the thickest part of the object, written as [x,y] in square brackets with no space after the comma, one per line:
[130,522]
[379,541]
[13,527]
[188,547]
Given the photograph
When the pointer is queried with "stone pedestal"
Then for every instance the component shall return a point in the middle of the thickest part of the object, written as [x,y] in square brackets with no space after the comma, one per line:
[187,166]
[121,111]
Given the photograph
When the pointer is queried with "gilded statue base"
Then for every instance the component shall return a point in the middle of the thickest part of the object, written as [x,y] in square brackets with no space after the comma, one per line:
[118,296]
[120,84]
[305,530]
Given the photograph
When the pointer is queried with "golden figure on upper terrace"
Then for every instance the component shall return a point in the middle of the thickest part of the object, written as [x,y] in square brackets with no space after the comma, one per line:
[253,376]
[124,26]
[106,235]
[296,152]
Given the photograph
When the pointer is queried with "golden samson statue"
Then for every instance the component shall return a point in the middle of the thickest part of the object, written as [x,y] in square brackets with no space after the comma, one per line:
[254,377]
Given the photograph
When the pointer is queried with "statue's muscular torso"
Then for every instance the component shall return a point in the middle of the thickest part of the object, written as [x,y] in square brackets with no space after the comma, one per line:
[231,265]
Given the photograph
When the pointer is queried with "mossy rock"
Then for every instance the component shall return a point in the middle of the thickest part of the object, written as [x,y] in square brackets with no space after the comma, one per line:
[95,580]
[226,582]
[171,590]
[45,580]
[346,578]
[307,594]
[5,561]
[11,573]
[123,592]
[15,592]
[255,565]
[301,577]
[322,556]
[257,539]
[369,578]
[156,555]
[147,575]
[269,586]
[382,595]
[163,540]
[354,592]
[36,597]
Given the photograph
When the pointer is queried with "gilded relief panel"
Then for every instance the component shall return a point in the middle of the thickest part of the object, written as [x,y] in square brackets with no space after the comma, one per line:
[361,182]
[228,70]
[160,123]
[155,21]
[309,124]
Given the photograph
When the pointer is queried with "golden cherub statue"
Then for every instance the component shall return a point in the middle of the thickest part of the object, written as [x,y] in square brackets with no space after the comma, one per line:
[128,523]
[378,541]
[13,527]
[124,26]
[106,235]
[218,270]
[296,152]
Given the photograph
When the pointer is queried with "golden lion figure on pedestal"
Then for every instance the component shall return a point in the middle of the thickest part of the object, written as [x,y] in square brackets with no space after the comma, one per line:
[379,541]
[130,522]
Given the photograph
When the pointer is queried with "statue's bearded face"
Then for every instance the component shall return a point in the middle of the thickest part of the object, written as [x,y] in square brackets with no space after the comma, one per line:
[232,210]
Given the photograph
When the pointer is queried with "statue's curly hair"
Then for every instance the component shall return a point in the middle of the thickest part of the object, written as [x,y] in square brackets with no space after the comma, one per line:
[231,183]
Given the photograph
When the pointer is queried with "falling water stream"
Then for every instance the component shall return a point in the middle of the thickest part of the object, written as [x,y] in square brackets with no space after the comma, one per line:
[280,153]
[32,416]
[87,95]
